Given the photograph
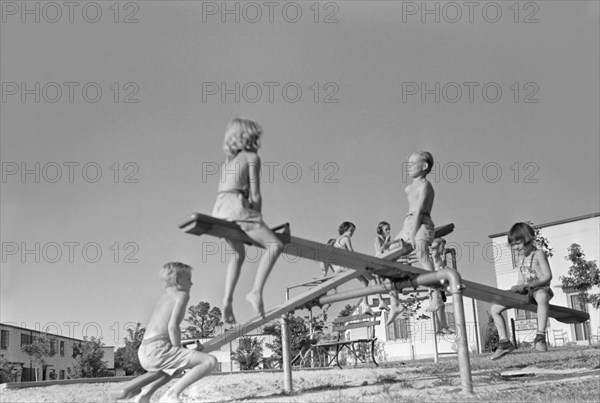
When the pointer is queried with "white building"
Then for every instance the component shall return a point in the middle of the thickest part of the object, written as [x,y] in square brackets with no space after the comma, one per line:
[412,338]
[59,366]
[561,234]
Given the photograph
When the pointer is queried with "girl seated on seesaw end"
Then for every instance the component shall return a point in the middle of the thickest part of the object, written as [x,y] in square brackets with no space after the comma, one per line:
[239,200]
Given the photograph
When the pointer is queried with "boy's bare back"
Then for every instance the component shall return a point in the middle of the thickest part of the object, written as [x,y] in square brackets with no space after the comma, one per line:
[168,314]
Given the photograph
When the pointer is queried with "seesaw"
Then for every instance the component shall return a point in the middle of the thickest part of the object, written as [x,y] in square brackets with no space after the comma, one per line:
[400,275]
[200,224]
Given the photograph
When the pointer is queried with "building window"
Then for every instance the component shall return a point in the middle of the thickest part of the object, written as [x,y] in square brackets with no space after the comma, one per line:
[62,350]
[581,329]
[375,302]
[399,330]
[520,314]
[61,374]
[4,339]
[25,339]
[52,347]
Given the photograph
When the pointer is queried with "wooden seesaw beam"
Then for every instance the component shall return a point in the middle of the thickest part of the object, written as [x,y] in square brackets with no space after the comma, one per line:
[383,266]
[199,224]
[133,387]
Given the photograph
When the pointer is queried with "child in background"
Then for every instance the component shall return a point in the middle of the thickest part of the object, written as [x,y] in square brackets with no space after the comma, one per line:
[239,200]
[326,266]
[346,230]
[534,280]
[161,346]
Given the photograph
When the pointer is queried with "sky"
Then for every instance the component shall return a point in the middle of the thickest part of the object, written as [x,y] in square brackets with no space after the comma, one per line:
[112,122]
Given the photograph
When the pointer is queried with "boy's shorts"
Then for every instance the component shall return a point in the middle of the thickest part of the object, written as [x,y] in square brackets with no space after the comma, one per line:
[157,354]
[532,291]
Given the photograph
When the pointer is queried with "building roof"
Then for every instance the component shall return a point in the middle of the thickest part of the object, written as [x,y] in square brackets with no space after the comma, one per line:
[550,224]
[40,332]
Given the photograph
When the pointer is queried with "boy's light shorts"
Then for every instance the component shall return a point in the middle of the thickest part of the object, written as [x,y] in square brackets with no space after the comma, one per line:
[157,354]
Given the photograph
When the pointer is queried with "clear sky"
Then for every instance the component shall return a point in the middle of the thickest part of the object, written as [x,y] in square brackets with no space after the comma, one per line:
[505,96]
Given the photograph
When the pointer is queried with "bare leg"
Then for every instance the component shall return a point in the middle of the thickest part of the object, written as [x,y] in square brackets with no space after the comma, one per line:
[382,304]
[442,324]
[436,302]
[426,261]
[496,312]
[274,247]
[234,267]
[396,308]
[366,308]
[543,303]
[201,365]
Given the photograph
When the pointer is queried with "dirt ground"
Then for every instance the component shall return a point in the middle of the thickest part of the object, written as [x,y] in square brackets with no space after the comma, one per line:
[328,385]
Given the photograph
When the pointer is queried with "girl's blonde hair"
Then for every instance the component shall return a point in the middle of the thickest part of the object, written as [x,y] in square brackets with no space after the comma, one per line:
[241,135]
[171,272]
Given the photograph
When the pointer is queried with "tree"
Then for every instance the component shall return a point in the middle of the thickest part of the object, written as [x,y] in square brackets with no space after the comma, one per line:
[8,370]
[127,357]
[249,353]
[89,359]
[346,311]
[203,321]
[542,242]
[582,275]
[300,336]
[40,348]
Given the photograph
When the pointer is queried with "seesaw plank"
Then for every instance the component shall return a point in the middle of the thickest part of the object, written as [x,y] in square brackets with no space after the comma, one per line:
[399,272]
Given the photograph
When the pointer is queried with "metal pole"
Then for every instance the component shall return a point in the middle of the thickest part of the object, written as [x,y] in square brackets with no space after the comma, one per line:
[361,292]
[310,337]
[514,333]
[286,350]
[455,288]
[435,344]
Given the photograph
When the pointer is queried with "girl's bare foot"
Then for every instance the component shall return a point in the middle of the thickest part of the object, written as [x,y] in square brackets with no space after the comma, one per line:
[395,310]
[228,316]
[446,330]
[436,302]
[257,302]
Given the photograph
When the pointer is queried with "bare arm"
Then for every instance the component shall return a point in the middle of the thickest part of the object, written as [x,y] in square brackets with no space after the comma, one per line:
[345,241]
[545,275]
[254,177]
[181,301]
[379,246]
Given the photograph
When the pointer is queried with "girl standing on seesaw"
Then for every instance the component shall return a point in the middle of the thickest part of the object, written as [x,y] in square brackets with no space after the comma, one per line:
[239,200]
